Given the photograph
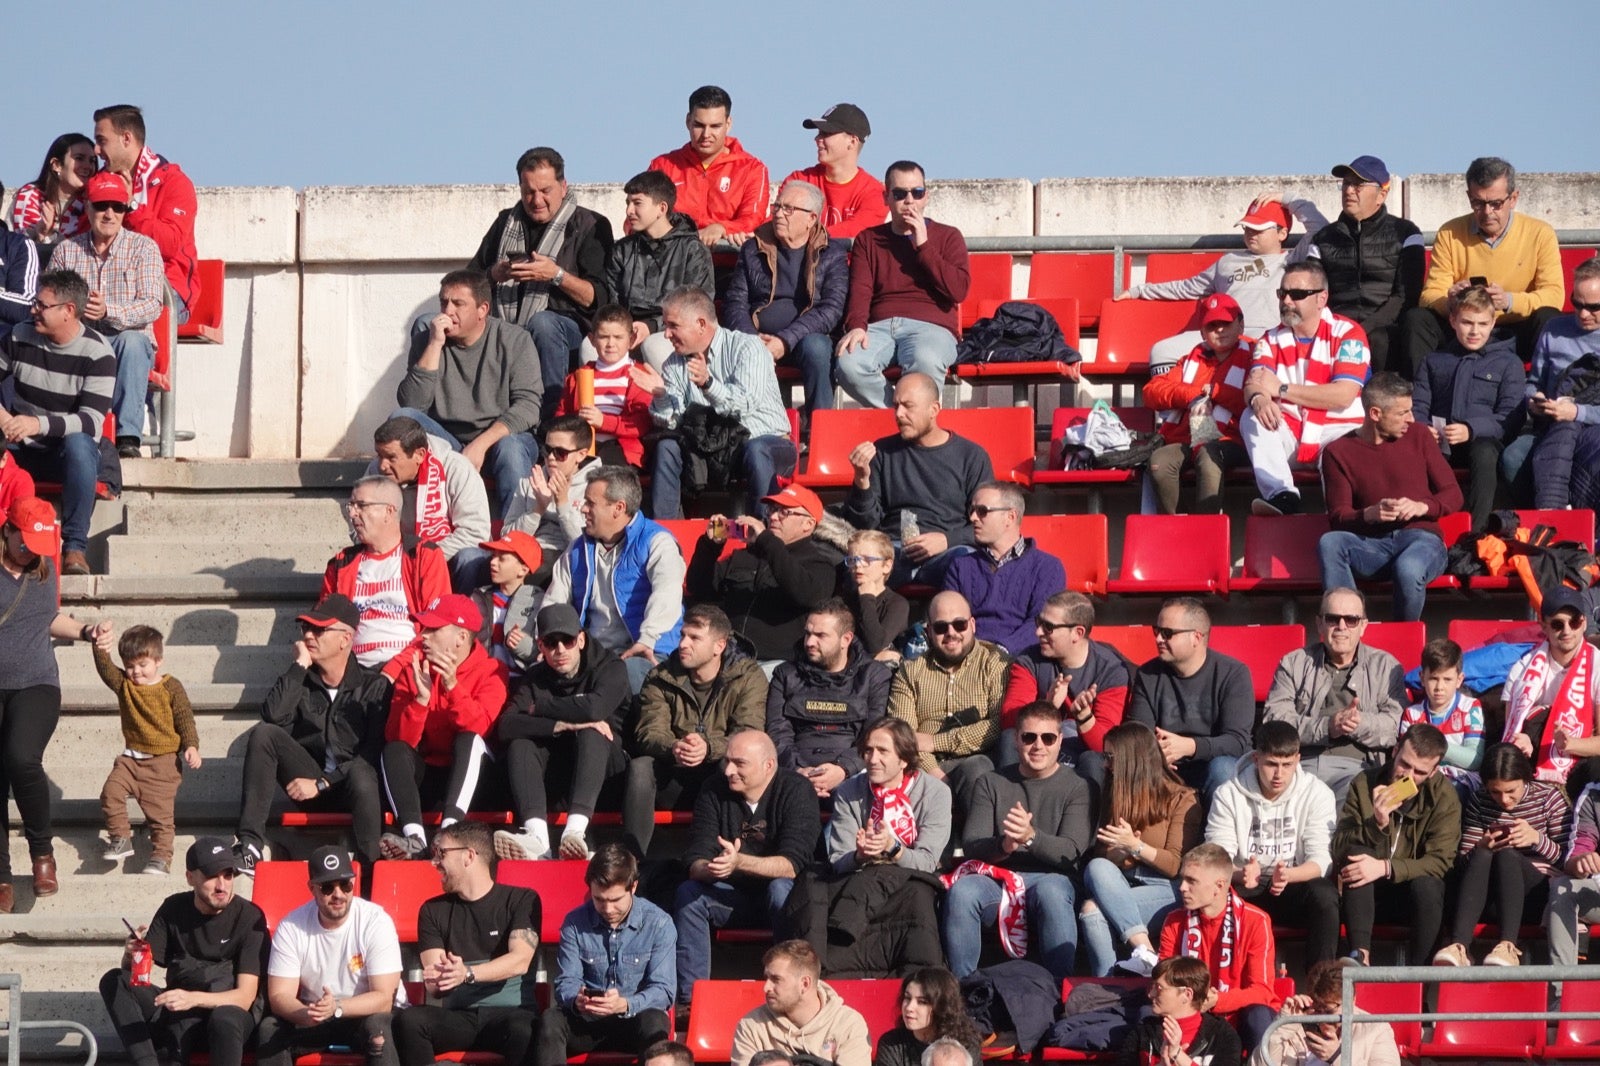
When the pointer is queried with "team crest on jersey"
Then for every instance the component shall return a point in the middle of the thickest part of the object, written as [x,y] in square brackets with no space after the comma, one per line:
[725,184]
[358,964]
[1352,351]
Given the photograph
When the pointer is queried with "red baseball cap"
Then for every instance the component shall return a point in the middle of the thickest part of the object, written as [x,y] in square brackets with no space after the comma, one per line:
[1267,216]
[452,610]
[35,519]
[520,544]
[798,496]
[106,187]
[1220,308]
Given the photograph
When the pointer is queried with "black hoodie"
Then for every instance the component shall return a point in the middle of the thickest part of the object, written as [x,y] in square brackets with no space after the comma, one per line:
[815,717]
[641,270]
[598,692]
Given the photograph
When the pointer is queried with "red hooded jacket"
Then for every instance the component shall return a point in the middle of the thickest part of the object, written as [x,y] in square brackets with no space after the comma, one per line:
[471,707]
[167,217]
[733,190]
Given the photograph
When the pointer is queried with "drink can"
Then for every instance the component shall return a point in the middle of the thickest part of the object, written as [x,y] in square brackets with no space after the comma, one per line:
[139,970]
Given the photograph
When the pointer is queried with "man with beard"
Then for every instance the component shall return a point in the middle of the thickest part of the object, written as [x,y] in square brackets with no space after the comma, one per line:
[802,1016]
[1552,702]
[1087,679]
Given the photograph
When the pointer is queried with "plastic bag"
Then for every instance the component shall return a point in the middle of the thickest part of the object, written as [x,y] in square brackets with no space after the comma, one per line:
[1203,428]
[1100,431]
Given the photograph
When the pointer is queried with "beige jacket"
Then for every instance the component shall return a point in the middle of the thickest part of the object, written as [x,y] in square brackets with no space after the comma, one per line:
[837,1034]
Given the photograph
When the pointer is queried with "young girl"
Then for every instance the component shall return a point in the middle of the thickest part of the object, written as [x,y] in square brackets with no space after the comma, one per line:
[883,613]
[50,208]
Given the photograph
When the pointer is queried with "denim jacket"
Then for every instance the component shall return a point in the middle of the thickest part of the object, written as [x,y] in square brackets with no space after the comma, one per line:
[638,958]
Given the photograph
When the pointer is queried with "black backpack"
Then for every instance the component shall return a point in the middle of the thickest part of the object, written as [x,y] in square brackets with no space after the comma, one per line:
[1016,333]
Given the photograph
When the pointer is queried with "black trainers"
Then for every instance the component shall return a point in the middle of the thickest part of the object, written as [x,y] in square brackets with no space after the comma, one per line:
[128,447]
[1279,503]
[245,857]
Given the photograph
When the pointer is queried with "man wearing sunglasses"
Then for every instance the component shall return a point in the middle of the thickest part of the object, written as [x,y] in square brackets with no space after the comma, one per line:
[1552,702]
[907,277]
[1517,255]
[1087,679]
[334,974]
[126,284]
[445,500]
[549,501]
[1009,577]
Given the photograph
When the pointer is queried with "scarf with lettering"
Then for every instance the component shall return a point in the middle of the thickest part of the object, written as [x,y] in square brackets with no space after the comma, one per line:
[433,510]
[1570,710]
[892,807]
[1013,919]
[519,301]
[1193,942]
[148,161]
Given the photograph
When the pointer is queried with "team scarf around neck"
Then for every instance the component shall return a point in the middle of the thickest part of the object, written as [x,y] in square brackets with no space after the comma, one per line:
[1569,710]
[1192,940]
[1013,916]
[148,161]
[508,295]
[892,807]
[433,510]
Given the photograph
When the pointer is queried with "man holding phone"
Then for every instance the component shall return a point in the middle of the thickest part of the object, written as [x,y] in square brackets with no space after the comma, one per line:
[1396,839]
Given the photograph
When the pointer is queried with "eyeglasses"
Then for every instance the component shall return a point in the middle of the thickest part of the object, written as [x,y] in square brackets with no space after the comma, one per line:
[1358,183]
[1560,623]
[983,511]
[1579,305]
[346,886]
[40,305]
[853,561]
[1047,739]
[940,628]
[1487,205]
[109,205]
[560,454]
[790,512]
[552,643]
[789,209]
[1167,633]
[916,194]
[438,853]
[1350,621]
[1298,294]
[1048,627]
[365,505]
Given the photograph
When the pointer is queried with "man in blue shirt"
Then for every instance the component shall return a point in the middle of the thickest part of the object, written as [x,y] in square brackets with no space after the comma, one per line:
[615,968]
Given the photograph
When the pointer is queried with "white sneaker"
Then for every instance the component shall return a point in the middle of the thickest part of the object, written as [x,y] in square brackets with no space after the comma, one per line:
[1140,963]
[573,846]
[509,845]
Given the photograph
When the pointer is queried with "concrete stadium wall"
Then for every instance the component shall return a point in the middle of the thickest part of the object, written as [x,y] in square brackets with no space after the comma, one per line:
[323,283]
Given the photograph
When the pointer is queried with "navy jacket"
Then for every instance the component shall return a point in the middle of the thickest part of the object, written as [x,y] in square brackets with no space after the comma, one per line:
[19,277]
[1481,389]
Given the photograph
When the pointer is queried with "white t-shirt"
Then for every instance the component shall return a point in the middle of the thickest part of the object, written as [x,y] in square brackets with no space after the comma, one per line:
[340,959]
[380,595]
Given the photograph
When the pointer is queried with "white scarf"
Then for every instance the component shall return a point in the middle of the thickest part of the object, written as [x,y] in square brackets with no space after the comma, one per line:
[1570,710]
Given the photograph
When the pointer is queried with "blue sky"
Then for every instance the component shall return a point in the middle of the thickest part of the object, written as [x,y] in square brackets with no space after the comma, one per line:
[406,92]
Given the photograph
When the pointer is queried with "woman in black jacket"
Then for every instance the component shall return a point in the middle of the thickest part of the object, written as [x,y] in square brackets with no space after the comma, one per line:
[1180,1031]
[930,1007]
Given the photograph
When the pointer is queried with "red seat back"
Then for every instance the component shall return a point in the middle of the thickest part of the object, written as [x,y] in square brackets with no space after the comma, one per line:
[1006,433]
[1175,266]
[1129,327]
[1403,640]
[1064,309]
[1579,1033]
[1175,553]
[1577,524]
[1476,632]
[279,887]
[877,1001]
[1138,419]
[559,883]
[714,1011]
[1284,546]
[1088,276]
[1136,643]
[991,280]
[834,435]
[1395,999]
[401,887]
[205,317]
[1488,1039]
[1079,541]
[1258,647]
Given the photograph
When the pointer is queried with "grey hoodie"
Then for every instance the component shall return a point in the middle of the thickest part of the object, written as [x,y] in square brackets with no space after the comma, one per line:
[1296,827]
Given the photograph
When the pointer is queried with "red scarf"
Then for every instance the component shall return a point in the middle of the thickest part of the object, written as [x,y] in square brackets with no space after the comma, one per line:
[1013,918]
[1193,941]
[892,807]
[148,161]
[1570,710]
[433,510]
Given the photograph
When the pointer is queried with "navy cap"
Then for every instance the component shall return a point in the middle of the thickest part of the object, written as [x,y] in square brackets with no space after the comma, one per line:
[1561,599]
[1365,167]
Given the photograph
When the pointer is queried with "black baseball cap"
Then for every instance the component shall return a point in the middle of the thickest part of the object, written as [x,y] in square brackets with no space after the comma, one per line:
[333,608]
[558,620]
[211,856]
[841,118]
[330,864]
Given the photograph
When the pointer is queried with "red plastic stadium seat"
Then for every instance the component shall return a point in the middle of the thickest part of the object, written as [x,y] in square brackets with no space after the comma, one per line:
[1088,276]
[991,280]
[205,317]
[1395,999]
[559,883]
[1577,1039]
[714,1011]
[1479,1040]
[834,435]
[1280,554]
[1476,632]
[1163,554]
[1570,258]
[400,887]
[1080,542]
[1175,266]
[877,1001]
[1138,419]
[1259,648]
[1403,640]
[1006,433]
[1127,330]
[280,887]
[1136,643]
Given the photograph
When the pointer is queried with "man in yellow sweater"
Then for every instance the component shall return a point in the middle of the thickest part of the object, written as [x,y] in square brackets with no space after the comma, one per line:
[1516,256]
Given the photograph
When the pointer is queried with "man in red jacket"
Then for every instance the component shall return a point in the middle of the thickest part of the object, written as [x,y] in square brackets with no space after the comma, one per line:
[720,185]
[446,700]
[163,197]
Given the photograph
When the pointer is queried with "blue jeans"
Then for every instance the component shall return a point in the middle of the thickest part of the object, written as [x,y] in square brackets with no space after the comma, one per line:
[1410,557]
[929,571]
[508,461]
[136,354]
[813,357]
[469,569]
[74,461]
[557,338]
[1514,469]
[699,908]
[1124,903]
[918,347]
[974,904]
[763,458]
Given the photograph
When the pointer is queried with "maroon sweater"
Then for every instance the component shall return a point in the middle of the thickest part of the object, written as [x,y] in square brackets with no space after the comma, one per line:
[1356,474]
[889,278]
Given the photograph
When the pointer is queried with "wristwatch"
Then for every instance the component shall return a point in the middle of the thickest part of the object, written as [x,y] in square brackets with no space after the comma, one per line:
[1283,389]
[338,1012]
[560,274]
[471,978]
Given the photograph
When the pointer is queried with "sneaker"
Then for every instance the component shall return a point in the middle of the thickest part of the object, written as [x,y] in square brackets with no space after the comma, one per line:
[573,846]
[1453,955]
[1356,958]
[395,846]
[509,845]
[117,848]
[245,857]
[1505,953]
[1279,503]
[158,867]
[1140,963]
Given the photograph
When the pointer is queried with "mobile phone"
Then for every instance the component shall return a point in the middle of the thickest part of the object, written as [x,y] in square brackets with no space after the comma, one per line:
[593,993]
[1403,789]
[1478,279]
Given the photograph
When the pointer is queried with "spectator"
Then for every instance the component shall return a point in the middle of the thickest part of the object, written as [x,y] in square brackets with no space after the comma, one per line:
[1342,696]
[1553,422]
[1517,255]
[444,498]
[1387,485]
[915,486]
[159,740]
[789,289]
[473,381]
[1394,845]
[1027,827]
[446,699]
[1456,714]
[476,943]
[1150,821]
[725,188]
[1465,395]
[1307,377]
[572,704]
[1372,1043]
[907,277]
[164,203]
[334,973]
[689,707]
[547,259]
[19,275]
[882,614]
[1374,260]
[1276,821]
[1513,833]
[614,978]
[1199,702]
[126,286]
[320,736]
[789,565]
[1204,389]
[854,197]
[509,604]
[213,946]
[50,208]
[802,1015]
[1087,679]
[951,697]
[874,912]
[819,703]
[388,584]
[931,1008]
[755,828]
[549,501]
[1179,1028]
[658,257]
[1008,578]
[1575,892]
[1233,938]
[1551,702]
[15,483]
[59,375]
[666,1053]
[729,374]
[617,417]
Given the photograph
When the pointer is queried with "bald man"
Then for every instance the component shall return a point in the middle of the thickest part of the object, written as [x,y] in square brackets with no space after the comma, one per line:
[755,828]
[915,485]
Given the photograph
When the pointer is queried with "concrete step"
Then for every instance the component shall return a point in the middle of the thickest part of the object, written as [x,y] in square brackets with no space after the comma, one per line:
[196,553]
[240,475]
[95,698]
[196,665]
[84,747]
[236,518]
[190,623]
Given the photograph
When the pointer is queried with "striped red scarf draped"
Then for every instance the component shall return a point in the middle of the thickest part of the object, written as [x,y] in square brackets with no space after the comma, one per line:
[1193,941]
[892,807]
[433,510]
[1570,709]
[1013,916]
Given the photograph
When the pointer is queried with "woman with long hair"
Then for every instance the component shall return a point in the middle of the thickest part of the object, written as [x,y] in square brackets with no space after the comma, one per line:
[50,208]
[1151,819]
[930,1007]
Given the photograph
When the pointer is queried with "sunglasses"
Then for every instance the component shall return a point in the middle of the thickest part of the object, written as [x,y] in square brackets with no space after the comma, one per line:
[983,511]
[1487,205]
[1579,305]
[1560,623]
[437,853]
[1350,621]
[916,194]
[853,561]
[560,454]
[942,627]
[346,886]
[1298,294]
[1167,633]
[1048,627]
[552,643]
[1047,739]
[109,205]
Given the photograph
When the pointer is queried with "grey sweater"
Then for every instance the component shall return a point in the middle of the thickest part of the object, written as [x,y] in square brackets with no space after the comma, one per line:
[1215,707]
[1062,817]
[495,380]
[852,810]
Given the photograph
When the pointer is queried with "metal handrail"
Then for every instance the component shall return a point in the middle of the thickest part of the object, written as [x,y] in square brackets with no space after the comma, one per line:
[13,1025]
